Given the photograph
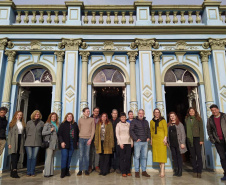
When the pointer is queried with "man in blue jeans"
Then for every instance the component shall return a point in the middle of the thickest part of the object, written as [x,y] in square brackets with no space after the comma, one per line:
[140,132]
[86,127]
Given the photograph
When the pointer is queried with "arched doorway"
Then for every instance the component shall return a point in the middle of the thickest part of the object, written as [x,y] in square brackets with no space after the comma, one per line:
[181,92]
[109,90]
[35,93]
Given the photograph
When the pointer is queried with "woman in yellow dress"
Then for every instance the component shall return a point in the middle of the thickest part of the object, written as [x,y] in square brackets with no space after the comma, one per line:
[158,127]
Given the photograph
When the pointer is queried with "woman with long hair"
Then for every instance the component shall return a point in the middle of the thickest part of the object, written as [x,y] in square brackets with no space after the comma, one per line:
[16,138]
[33,141]
[104,142]
[176,142]
[50,135]
[68,141]
[195,140]
[158,127]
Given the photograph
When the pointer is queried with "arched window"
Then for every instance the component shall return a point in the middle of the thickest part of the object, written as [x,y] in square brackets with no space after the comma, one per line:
[109,76]
[179,76]
[37,76]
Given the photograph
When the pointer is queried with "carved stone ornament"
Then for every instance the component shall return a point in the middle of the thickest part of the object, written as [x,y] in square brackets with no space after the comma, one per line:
[72,44]
[157,55]
[60,56]
[134,108]
[5,43]
[181,45]
[11,55]
[205,56]
[85,55]
[144,44]
[35,45]
[108,45]
[132,56]
[215,44]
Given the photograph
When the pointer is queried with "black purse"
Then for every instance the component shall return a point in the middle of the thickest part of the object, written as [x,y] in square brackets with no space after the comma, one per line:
[45,144]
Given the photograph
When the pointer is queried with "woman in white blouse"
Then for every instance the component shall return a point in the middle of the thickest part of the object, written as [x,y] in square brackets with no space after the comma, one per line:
[16,138]
[126,143]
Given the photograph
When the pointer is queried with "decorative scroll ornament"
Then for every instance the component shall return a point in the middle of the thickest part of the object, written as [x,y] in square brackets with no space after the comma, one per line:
[205,56]
[181,45]
[6,43]
[134,108]
[35,45]
[72,44]
[60,56]
[132,56]
[108,45]
[144,44]
[11,55]
[85,55]
[157,55]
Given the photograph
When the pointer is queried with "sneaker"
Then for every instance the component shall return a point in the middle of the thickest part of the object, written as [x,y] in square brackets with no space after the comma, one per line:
[86,173]
[223,178]
[79,173]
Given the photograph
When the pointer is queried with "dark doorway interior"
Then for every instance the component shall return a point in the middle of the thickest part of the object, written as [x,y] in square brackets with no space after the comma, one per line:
[177,101]
[39,99]
[108,98]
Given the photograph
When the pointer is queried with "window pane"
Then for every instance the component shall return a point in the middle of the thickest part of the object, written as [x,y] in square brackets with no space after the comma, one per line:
[100,77]
[170,77]
[108,73]
[117,77]
[179,73]
[28,77]
[46,77]
[37,73]
[188,77]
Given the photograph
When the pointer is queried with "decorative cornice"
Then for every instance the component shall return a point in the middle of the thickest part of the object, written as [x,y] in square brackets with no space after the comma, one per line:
[215,44]
[144,44]
[157,55]
[211,3]
[205,56]
[85,55]
[132,56]
[72,44]
[11,55]
[60,56]
[142,3]
[5,42]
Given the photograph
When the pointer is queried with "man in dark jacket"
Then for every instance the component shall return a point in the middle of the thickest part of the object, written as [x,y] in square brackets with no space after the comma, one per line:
[115,156]
[216,128]
[3,125]
[140,132]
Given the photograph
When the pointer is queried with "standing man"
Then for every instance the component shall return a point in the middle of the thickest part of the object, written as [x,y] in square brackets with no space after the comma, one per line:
[216,128]
[94,158]
[86,127]
[140,132]
[130,116]
[115,156]
[3,125]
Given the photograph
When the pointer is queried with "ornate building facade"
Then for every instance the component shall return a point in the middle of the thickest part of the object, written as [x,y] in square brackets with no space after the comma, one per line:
[142,54]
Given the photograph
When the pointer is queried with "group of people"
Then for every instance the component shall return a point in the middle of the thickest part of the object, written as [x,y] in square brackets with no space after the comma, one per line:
[108,145]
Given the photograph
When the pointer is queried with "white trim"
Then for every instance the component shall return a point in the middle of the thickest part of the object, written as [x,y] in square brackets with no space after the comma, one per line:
[112,84]
[194,84]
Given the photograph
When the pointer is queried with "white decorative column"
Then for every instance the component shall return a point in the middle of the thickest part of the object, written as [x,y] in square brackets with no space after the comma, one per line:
[58,91]
[84,98]
[146,87]
[207,83]
[8,79]
[158,85]
[133,94]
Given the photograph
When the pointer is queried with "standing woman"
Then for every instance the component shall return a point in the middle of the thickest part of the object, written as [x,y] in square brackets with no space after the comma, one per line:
[33,141]
[50,132]
[176,142]
[104,143]
[68,141]
[195,139]
[158,127]
[16,138]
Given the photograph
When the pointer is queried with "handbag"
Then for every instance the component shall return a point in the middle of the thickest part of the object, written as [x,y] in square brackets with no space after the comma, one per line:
[45,144]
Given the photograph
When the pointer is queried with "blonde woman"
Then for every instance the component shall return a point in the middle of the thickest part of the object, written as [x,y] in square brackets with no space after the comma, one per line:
[16,138]
[50,133]
[33,141]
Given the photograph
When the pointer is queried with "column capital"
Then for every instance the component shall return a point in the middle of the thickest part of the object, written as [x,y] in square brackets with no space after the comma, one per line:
[85,55]
[11,55]
[205,56]
[144,44]
[5,42]
[215,44]
[157,55]
[72,44]
[132,56]
[60,56]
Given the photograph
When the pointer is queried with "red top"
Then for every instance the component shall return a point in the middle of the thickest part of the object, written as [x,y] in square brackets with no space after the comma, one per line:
[218,126]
